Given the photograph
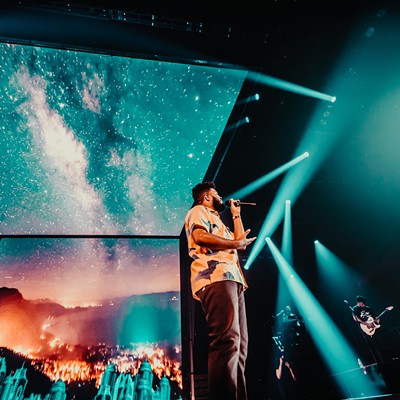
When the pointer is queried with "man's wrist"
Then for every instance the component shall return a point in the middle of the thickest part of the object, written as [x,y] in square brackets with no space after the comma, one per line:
[235,217]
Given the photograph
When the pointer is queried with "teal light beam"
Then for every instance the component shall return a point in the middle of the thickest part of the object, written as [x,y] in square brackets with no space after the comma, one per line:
[333,270]
[337,353]
[289,87]
[327,125]
[287,233]
[254,97]
[318,144]
[291,187]
[235,125]
[283,296]
[255,185]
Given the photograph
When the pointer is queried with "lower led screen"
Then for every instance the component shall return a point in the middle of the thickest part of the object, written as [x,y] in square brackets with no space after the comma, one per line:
[89,318]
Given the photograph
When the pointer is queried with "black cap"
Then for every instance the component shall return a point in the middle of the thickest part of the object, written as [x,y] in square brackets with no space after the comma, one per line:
[360,299]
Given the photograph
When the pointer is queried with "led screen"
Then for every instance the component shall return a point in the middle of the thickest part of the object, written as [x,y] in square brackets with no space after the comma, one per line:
[94,144]
[80,317]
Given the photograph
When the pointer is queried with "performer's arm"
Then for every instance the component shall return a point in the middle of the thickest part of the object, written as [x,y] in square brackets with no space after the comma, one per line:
[291,370]
[278,371]
[238,229]
[360,321]
[214,242]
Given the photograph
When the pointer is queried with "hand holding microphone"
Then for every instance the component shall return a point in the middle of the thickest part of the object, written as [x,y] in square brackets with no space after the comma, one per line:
[241,235]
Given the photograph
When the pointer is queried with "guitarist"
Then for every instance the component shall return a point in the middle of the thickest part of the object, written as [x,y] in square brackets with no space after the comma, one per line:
[364,315]
[369,324]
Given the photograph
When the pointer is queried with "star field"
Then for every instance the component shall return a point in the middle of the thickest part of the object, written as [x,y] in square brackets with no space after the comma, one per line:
[98,144]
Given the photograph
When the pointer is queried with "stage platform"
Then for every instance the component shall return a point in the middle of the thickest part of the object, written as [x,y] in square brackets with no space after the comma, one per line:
[384,379]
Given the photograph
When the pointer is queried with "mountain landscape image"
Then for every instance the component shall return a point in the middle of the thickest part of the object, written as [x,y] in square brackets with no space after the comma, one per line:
[75,345]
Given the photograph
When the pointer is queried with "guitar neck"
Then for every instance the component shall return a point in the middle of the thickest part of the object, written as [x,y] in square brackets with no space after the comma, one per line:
[380,315]
[383,312]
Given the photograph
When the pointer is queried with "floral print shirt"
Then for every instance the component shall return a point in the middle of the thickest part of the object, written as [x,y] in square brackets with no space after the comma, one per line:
[208,265]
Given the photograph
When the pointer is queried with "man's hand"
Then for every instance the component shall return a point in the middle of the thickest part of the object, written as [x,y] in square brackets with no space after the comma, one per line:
[234,207]
[244,241]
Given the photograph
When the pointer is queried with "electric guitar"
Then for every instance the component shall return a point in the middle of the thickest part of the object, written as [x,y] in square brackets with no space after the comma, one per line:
[372,324]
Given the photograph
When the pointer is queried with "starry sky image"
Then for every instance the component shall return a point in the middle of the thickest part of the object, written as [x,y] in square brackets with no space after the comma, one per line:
[105,145]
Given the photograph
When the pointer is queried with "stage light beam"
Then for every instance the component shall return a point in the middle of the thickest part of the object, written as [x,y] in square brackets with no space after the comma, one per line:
[236,125]
[287,233]
[333,270]
[289,87]
[276,211]
[255,185]
[249,99]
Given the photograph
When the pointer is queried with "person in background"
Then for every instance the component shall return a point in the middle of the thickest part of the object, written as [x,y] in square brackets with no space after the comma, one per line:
[217,281]
[369,324]
[287,379]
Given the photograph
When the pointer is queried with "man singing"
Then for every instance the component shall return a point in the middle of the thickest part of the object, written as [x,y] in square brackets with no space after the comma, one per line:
[218,282]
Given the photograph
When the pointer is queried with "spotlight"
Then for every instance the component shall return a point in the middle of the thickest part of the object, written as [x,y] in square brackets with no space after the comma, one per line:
[236,125]
[288,86]
[254,97]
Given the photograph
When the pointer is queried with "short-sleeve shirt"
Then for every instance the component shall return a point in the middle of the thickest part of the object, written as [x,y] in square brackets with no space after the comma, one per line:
[209,266]
[363,313]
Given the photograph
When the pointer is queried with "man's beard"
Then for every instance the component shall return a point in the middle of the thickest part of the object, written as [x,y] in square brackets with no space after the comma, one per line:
[218,205]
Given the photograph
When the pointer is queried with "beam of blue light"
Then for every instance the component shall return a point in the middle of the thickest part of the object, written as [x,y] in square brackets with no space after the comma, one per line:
[318,146]
[287,233]
[337,353]
[319,139]
[292,188]
[333,270]
[236,125]
[283,296]
[254,97]
[289,87]
[252,187]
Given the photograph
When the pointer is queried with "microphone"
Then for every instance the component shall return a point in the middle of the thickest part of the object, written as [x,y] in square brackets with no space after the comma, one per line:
[351,308]
[238,203]
[279,313]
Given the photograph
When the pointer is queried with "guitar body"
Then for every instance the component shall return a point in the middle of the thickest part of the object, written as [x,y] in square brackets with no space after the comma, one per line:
[372,324]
